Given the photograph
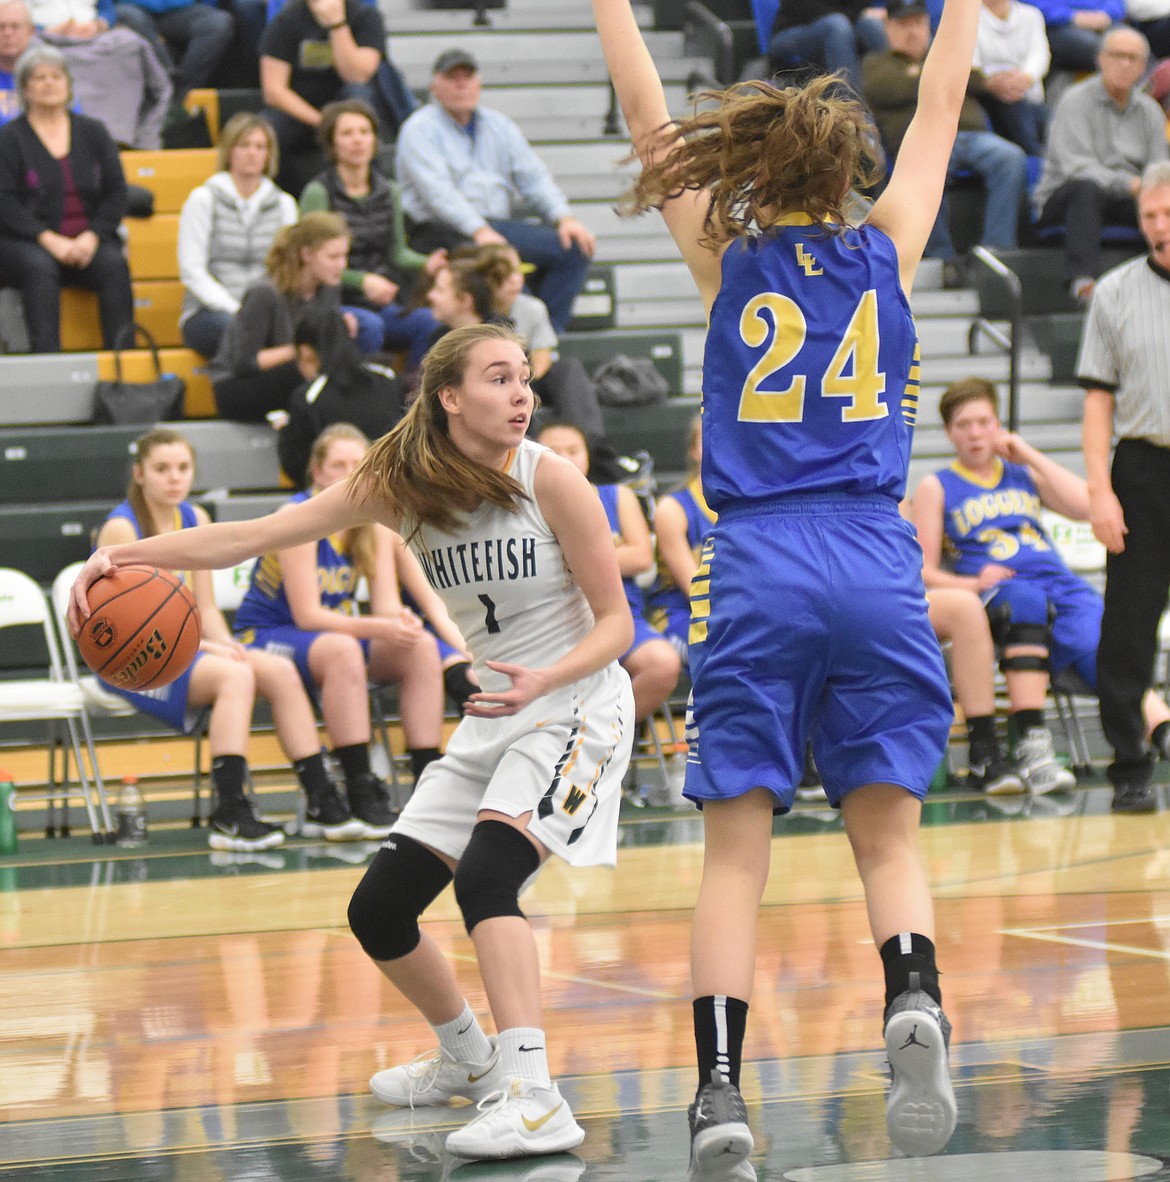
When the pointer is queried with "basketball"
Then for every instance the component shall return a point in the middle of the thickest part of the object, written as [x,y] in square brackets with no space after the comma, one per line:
[143,630]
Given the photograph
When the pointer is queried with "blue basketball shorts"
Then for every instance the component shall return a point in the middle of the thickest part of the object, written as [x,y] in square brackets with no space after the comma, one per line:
[287,640]
[1073,607]
[643,631]
[168,703]
[813,624]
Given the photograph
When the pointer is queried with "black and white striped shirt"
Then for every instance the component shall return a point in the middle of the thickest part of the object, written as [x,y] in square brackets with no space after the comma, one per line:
[1125,348]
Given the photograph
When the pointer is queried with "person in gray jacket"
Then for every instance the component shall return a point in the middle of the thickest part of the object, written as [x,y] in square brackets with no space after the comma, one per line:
[226,229]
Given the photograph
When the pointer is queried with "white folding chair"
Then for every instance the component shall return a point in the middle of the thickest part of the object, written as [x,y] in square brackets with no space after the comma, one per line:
[55,699]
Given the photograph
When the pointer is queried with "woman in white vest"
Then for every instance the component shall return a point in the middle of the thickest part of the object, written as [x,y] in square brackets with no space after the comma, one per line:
[226,228]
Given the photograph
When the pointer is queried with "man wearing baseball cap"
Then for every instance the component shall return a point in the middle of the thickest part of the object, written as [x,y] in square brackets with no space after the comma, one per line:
[464,169]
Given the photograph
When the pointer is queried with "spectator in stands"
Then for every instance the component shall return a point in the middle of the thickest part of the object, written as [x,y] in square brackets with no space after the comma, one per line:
[891,90]
[339,386]
[315,52]
[200,33]
[303,601]
[1151,18]
[465,169]
[651,661]
[682,521]
[981,517]
[480,285]
[224,676]
[1125,354]
[16,35]
[254,370]
[1075,30]
[226,229]
[1104,132]
[62,198]
[1012,55]
[832,34]
[381,271]
[117,76]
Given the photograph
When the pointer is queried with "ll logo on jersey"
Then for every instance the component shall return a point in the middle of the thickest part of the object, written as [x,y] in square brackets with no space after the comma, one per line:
[807,262]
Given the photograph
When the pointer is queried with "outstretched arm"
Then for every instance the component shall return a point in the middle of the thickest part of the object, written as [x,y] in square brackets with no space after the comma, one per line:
[639,90]
[209,547]
[907,209]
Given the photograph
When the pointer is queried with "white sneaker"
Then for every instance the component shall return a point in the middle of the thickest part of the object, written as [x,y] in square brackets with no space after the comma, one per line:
[522,1120]
[433,1078]
[920,1112]
[1037,764]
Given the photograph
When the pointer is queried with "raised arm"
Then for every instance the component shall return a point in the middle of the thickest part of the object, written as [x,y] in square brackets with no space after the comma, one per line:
[1062,491]
[643,102]
[909,205]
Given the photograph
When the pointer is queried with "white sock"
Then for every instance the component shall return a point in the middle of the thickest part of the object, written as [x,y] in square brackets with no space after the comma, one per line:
[523,1054]
[463,1038]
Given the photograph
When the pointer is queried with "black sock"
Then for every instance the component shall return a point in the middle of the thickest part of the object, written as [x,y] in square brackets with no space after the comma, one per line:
[907,953]
[982,743]
[228,773]
[1028,720]
[719,1025]
[313,775]
[1161,740]
[421,758]
[354,760]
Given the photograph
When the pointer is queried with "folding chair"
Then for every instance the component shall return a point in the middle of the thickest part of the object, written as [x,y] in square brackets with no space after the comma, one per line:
[56,698]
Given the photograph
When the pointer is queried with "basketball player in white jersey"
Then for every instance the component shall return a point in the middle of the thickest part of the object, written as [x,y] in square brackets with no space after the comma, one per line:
[519,549]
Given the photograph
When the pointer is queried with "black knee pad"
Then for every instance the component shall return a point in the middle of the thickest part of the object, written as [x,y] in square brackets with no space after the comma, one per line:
[1032,635]
[402,881]
[499,859]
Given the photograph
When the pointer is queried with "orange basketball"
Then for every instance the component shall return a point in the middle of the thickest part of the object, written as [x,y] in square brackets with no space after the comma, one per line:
[143,630]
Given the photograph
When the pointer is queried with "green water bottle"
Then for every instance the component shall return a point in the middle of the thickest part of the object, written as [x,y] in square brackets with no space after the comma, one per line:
[7,814]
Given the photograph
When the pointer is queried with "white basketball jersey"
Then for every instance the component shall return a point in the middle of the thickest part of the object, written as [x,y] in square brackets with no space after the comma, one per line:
[504,581]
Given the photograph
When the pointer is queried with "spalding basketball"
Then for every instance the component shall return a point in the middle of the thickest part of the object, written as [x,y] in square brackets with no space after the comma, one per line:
[143,630]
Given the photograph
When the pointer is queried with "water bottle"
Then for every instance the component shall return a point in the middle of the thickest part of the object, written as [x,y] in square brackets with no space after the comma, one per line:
[130,815]
[7,814]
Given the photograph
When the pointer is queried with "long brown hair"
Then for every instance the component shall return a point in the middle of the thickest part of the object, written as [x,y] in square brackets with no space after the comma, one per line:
[762,152]
[359,542]
[416,467]
[311,232]
[143,446]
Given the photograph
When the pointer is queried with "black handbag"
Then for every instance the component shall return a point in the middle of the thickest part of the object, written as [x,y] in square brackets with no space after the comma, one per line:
[630,381]
[125,402]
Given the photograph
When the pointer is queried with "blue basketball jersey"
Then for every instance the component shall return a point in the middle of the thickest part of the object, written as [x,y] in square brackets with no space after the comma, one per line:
[266,604]
[184,519]
[810,374]
[996,520]
[609,498]
[700,518]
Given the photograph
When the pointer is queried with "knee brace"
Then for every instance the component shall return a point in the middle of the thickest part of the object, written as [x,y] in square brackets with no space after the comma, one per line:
[499,859]
[402,881]
[1031,636]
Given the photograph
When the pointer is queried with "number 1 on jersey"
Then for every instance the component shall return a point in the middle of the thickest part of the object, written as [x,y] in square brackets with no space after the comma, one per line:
[489,614]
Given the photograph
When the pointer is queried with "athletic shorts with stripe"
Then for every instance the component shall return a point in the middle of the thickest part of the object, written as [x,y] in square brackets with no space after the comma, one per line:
[561,758]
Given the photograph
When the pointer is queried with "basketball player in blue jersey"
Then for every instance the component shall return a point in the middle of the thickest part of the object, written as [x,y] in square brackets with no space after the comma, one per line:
[224,676]
[810,616]
[652,663]
[302,603]
[979,523]
[516,544]
[682,522]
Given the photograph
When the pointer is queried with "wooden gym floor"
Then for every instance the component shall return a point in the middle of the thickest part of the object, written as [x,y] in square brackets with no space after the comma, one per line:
[174,1014]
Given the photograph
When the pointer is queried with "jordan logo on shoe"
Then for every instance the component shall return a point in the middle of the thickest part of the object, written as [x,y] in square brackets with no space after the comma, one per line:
[476,1078]
[541,1121]
[913,1040]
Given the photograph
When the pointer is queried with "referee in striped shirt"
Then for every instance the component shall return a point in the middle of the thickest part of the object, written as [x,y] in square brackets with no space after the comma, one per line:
[1124,365]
